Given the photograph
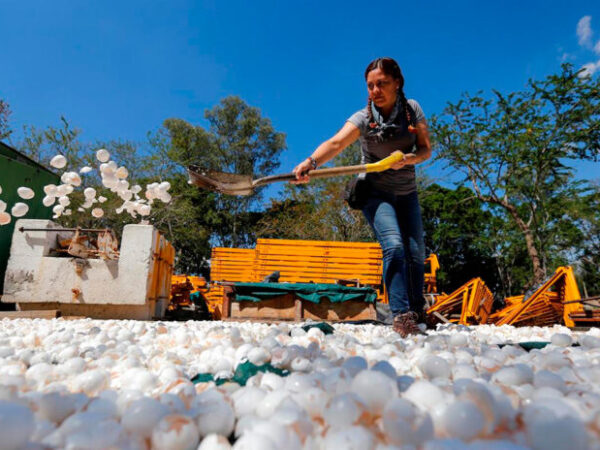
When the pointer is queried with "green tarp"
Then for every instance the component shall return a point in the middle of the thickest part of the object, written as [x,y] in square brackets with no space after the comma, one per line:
[323,326]
[243,372]
[312,292]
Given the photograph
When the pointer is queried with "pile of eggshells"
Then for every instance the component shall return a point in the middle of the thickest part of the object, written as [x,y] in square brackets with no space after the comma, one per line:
[126,384]
[113,177]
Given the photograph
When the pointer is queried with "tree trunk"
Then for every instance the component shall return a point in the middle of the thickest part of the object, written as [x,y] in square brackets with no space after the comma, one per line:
[538,271]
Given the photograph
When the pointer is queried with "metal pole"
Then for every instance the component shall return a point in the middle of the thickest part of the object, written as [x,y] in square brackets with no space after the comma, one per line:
[23,229]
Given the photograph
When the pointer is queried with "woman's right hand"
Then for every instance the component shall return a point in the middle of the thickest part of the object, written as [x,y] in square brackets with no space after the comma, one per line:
[301,171]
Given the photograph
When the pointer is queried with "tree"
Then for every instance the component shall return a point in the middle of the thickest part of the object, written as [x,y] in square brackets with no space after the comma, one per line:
[317,210]
[462,234]
[513,150]
[238,140]
[5,112]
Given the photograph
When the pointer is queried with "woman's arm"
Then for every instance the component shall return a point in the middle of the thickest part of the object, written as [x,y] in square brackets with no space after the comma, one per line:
[423,152]
[328,150]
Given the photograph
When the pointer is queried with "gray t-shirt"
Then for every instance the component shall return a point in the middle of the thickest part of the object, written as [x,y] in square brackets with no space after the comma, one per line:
[400,181]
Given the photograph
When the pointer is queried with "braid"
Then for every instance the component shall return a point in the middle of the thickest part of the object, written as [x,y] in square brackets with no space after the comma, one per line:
[409,114]
[370,122]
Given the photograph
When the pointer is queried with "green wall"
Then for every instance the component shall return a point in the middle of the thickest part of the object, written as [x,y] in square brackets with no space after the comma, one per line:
[17,170]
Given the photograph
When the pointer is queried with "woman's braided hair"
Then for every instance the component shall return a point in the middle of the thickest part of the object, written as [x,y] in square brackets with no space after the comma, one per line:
[390,67]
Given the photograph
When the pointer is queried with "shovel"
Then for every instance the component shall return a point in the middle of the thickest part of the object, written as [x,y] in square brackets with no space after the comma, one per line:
[232,184]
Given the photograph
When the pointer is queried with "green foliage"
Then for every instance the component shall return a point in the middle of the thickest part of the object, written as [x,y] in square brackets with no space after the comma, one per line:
[317,210]
[461,232]
[238,140]
[513,150]
[5,130]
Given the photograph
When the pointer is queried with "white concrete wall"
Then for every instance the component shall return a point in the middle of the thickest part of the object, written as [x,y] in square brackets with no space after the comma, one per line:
[33,276]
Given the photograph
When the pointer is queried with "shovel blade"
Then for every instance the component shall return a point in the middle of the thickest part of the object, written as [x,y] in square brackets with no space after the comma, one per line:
[225,183]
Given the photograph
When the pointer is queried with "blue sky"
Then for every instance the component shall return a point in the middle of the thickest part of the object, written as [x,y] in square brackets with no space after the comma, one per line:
[118,69]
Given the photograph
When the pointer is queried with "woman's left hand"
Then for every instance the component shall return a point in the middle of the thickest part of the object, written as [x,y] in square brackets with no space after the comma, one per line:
[409,159]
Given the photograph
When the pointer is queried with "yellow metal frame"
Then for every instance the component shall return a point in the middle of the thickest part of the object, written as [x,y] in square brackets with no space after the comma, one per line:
[544,306]
[430,277]
[473,301]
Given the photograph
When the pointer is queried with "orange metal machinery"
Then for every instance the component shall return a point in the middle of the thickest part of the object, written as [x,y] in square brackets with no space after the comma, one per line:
[182,286]
[430,277]
[470,304]
[551,303]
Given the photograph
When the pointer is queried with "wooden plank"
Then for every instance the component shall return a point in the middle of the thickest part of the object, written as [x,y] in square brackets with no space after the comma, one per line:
[227,293]
[298,311]
[326,266]
[32,314]
[283,307]
[327,310]
[309,243]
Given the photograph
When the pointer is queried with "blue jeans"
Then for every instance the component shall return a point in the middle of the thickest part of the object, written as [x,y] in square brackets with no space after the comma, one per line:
[396,221]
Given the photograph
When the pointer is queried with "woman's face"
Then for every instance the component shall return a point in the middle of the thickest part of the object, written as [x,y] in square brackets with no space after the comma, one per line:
[382,89]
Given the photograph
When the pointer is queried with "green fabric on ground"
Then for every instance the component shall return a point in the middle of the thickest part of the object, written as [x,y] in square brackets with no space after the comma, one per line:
[246,370]
[323,326]
[312,292]
[527,345]
[533,345]
[243,372]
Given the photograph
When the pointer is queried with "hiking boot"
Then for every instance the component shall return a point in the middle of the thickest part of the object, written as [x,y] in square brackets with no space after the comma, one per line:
[406,324]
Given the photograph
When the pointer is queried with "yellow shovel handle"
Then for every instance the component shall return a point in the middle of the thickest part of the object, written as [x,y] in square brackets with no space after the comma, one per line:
[385,163]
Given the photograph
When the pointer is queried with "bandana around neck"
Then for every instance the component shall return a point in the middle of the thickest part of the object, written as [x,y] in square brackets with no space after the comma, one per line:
[385,128]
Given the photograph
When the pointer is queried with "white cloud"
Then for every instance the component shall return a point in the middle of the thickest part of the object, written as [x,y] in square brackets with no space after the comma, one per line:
[584,30]
[589,69]
[597,48]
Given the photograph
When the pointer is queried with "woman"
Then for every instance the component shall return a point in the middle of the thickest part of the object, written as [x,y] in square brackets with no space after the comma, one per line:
[390,123]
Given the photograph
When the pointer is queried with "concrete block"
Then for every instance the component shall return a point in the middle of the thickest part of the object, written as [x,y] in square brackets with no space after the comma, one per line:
[35,243]
[139,279]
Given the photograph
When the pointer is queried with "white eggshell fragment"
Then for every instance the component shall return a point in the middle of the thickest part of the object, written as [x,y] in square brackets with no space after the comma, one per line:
[85,169]
[25,193]
[214,442]
[5,218]
[2,206]
[48,200]
[97,212]
[142,416]
[58,162]
[462,420]
[89,192]
[64,201]
[343,410]
[17,425]
[404,424]
[144,210]
[122,172]
[561,340]
[19,209]
[176,432]
[50,190]
[374,389]
[102,155]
